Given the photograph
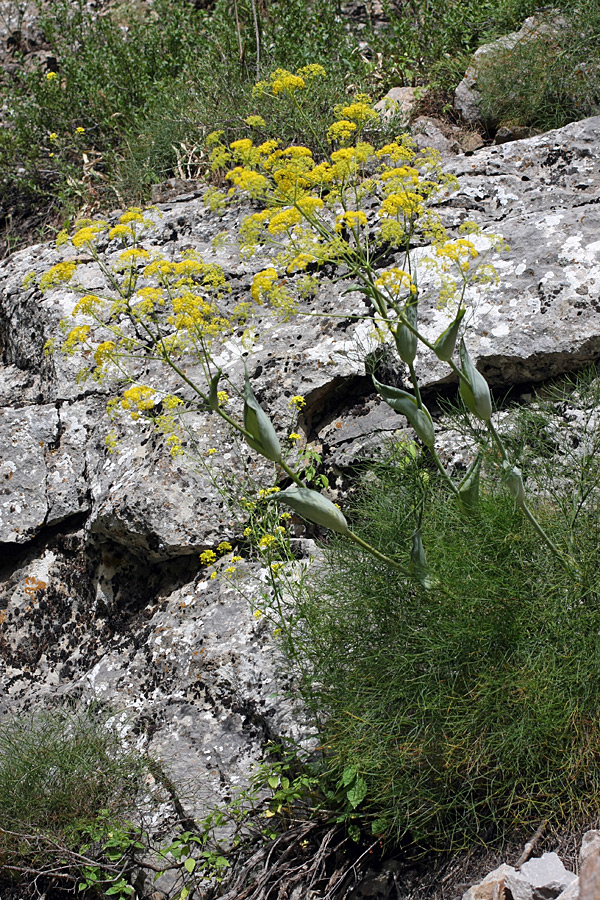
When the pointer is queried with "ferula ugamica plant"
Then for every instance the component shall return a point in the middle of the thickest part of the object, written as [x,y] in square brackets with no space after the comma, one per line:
[342,212]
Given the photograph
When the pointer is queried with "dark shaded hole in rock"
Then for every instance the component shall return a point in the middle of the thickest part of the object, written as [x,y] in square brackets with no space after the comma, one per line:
[331,400]
[13,556]
[512,373]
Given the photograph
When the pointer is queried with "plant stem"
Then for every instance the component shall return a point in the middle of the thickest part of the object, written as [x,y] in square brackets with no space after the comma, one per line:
[289,471]
[391,562]
[565,563]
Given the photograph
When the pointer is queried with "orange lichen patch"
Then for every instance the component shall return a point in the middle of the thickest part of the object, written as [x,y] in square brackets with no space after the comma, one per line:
[33,585]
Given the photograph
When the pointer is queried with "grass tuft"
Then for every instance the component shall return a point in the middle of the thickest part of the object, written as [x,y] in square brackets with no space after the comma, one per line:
[473,708]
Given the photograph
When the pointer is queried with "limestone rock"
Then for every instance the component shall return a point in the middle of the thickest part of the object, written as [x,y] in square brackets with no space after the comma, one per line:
[541,878]
[514,133]
[541,319]
[571,892]
[398,104]
[589,877]
[42,467]
[427,133]
[492,886]
[590,844]
[182,654]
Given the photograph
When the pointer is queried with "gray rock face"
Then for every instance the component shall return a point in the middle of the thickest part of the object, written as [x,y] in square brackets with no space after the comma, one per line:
[492,886]
[102,590]
[187,659]
[590,844]
[589,878]
[398,101]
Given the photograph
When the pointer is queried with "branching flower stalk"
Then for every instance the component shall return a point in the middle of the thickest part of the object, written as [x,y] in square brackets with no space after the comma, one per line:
[348,212]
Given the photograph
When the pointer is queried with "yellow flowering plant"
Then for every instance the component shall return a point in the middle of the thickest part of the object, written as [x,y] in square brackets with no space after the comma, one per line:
[347,211]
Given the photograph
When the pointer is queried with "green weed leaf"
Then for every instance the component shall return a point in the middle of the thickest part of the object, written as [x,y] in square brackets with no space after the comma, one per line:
[357,793]
[406,340]
[418,560]
[315,507]
[263,437]
[475,391]
[514,482]
[445,345]
[213,400]
[468,489]
[406,404]
[348,775]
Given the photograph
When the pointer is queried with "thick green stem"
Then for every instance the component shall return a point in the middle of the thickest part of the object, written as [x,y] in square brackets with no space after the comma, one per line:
[442,471]
[565,563]
[391,562]
[295,478]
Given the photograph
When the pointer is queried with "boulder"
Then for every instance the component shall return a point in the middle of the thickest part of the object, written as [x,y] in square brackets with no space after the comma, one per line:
[192,661]
[540,319]
[541,878]
[492,887]
[590,845]
[589,878]
[102,590]
[398,104]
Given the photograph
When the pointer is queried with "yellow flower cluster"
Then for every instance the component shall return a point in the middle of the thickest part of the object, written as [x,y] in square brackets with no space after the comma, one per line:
[459,252]
[341,132]
[207,557]
[262,284]
[267,492]
[284,220]
[352,219]
[75,338]
[395,281]
[360,111]
[252,183]
[297,401]
[87,235]
[137,399]
[58,274]
[280,82]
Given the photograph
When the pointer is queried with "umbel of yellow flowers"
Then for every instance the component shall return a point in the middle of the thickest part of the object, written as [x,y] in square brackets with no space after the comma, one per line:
[342,203]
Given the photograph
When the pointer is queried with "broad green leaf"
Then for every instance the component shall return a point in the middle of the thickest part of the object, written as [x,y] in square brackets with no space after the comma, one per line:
[357,793]
[406,340]
[315,507]
[213,400]
[468,489]
[263,437]
[405,403]
[514,481]
[475,391]
[418,560]
[273,781]
[445,345]
[189,864]
[348,775]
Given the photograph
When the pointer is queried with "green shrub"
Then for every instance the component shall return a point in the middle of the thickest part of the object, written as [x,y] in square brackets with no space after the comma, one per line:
[63,776]
[130,107]
[472,708]
[550,81]
[431,43]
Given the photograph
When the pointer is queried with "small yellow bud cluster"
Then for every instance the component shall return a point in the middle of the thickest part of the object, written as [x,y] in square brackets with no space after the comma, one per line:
[138,399]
